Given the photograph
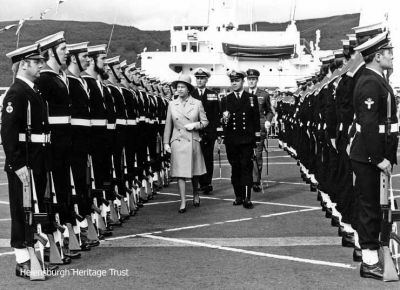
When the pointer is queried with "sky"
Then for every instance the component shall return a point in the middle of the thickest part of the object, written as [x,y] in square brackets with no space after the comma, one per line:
[162,14]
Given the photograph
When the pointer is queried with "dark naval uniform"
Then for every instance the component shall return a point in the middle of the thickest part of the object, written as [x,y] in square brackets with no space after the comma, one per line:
[266,114]
[370,146]
[54,89]
[13,129]
[208,134]
[242,130]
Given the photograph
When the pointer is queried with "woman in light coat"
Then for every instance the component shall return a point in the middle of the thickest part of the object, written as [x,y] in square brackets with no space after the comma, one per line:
[185,117]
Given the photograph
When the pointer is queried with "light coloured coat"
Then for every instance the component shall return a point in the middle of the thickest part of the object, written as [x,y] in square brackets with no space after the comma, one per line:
[186,155]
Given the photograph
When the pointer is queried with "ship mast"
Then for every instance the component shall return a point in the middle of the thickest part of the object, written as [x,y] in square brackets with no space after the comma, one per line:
[293,12]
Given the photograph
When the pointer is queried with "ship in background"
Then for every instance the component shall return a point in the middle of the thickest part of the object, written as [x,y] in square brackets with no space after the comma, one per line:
[219,46]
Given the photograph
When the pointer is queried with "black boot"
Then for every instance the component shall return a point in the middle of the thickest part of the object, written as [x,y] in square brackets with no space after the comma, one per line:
[238,195]
[247,199]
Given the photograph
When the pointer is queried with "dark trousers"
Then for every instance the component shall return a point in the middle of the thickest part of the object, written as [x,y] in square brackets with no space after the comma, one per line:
[240,159]
[79,172]
[369,218]
[21,233]
[62,183]
[207,147]
[101,159]
[332,175]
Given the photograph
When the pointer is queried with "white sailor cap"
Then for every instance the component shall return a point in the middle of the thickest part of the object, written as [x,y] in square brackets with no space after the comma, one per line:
[26,52]
[327,59]
[76,48]
[123,64]
[97,49]
[352,39]
[381,41]
[201,72]
[112,61]
[132,66]
[365,32]
[345,43]
[338,53]
[51,40]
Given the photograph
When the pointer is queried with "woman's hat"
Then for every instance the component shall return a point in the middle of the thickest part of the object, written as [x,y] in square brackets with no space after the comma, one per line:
[184,79]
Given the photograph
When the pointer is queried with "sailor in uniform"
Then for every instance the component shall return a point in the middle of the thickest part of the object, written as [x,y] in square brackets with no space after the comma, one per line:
[22,96]
[374,149]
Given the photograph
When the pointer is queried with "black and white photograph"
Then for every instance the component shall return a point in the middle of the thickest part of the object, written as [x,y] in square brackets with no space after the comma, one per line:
[199,144]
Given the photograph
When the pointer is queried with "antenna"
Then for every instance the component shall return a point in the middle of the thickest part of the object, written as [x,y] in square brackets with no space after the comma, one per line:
[293,11]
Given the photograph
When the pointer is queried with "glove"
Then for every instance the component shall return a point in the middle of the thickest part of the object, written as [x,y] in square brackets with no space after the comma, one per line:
[190,126]
[167,148]
[267,124]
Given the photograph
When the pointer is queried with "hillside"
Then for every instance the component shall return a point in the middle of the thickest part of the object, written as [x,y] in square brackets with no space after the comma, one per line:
[129,41]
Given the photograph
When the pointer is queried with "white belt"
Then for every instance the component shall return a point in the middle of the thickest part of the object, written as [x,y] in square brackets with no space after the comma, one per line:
[219,129]
[35,138]
[147,120]
[98,122]
[258,134]
[80,122]
[151,121]
[121,122]
[111,126]
[131,122]
[60,120]
[393,128]
[162,122]
[382,128]
[142,118]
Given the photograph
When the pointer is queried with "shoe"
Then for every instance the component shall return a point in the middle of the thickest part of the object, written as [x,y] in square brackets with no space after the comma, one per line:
[340,231]
[109,227]
[196,203]
[371,271]
[319,196]
[141,200]
[66,260]
[256,187]
[115,224]
[248,204]
[50,267]
[348,240]
[139,204]
[238,202]
[182,210]
[105,233]
[328,213]
[308,180]
[313,187]
[85,247]
[335,221]
[93,243]
[71,254]
[357,255]
[22,270]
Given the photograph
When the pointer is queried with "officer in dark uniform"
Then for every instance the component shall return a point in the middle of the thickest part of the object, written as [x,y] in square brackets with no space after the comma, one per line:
[374,149]
[21,97]
[209,134]
[241,120]
[266,116]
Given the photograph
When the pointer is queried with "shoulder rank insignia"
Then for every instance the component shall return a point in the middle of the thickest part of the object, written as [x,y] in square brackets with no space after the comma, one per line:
[9,108]
[369,102]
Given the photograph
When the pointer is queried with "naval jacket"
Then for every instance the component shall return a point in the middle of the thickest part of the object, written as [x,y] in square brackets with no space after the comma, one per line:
[371,144]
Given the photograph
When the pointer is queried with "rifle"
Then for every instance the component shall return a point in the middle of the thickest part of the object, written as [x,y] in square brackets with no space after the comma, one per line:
[92,232]
[389,214]
[74,232]
[36,272]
